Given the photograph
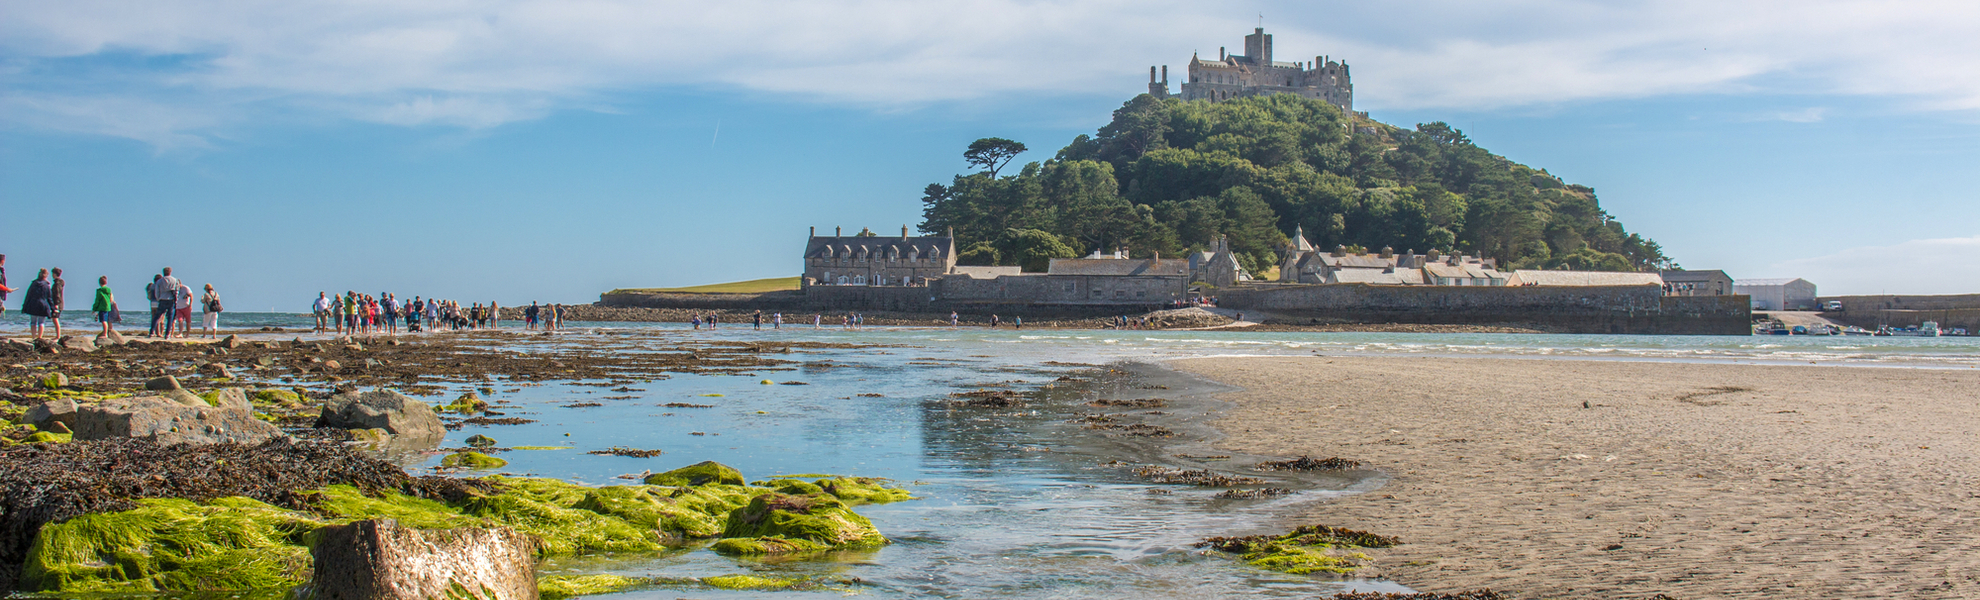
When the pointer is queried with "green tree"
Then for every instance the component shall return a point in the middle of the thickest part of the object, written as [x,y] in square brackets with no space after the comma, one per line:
[992,153]
[1033,249]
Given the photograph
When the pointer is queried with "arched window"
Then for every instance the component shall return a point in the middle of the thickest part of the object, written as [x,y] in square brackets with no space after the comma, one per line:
[842,280]
[828,278]
[859,280]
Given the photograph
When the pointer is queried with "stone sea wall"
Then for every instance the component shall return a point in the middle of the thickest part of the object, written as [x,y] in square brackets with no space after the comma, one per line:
[1590,309]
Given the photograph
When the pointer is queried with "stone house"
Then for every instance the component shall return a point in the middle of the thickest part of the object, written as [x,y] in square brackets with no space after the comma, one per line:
[1582,278]
[1698,283]
[1301,263]
[873,260]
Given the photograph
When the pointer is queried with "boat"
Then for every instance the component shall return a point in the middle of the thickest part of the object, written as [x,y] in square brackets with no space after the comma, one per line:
[1798,330]
[1926,329]
[1854,330]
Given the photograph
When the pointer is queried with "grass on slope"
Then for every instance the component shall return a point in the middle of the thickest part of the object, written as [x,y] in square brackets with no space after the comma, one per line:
[754,286]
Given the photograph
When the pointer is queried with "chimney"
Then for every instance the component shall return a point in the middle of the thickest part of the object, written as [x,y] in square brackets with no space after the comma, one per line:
[1151,74]
[1220,53]
[1165,74]
[1388,252]
[903,232]
[814,231]
[836,232]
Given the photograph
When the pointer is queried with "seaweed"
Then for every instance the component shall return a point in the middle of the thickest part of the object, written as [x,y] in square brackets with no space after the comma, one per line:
[472,460]
[1308,549]
[624,451]
[1307,463]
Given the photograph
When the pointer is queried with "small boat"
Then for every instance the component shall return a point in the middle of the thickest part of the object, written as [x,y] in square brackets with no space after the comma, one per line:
[1854,330]
[1927,329]
[1798,330]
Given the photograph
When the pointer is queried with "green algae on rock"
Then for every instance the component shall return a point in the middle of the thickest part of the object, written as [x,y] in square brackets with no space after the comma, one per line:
[780,523]
[472,460]
[700,473]
[559,587]
[1309,549]
[173,545]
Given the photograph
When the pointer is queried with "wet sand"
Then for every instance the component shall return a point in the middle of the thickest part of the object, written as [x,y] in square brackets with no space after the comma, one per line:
[1691,480]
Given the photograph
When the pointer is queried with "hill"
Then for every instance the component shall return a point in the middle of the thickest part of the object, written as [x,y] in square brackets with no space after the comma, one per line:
[753,286]
[1168,176]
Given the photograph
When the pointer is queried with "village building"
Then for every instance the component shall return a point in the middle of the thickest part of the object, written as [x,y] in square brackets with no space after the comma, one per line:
[1302,263]
[1255,74]
[868,259]
[1778,294]
[1698,283]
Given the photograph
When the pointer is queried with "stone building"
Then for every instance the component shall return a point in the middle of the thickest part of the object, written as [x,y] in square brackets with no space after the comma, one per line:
[1256,74]
[1698,283]
[1302,263]
[1542,277]
[868,259]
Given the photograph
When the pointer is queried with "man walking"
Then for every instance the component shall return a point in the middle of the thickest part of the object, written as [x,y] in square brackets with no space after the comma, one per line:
[322,310]
[165,302]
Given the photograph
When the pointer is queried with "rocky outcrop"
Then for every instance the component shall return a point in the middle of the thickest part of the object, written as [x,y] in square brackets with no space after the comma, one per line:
[169,422]
[76,343]
[382,560]
[47,415]
[701,473]
[159,384]
[381,409]
[231,398]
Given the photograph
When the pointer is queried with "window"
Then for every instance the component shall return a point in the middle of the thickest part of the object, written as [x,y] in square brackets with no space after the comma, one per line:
[828,278]
[859,280]
[842,280]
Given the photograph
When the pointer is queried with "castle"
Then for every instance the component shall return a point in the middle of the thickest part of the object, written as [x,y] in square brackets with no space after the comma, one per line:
[1256,74]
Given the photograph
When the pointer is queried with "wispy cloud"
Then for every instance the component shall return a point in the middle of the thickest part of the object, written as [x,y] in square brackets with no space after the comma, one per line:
[480,64]
[1932,266]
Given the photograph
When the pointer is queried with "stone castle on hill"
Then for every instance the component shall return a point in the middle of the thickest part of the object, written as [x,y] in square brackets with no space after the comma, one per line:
[1256,74]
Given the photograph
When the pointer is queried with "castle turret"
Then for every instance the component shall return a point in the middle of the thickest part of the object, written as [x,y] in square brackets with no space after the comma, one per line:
[1258,47]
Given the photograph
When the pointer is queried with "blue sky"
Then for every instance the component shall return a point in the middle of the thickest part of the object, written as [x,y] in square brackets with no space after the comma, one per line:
[550,150]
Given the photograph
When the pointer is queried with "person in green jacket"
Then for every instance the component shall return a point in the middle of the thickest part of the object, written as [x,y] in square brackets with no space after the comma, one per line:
[105,304]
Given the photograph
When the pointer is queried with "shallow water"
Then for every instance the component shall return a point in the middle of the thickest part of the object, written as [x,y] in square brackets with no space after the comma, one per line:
[1010,502]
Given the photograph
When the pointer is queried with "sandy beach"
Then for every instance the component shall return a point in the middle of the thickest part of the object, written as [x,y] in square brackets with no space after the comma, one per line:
[1689,480]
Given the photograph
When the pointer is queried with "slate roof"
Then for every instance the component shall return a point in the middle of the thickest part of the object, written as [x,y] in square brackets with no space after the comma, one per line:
[988,272]
[881,246]
[1119,266]
[1570,278]
[1695,276]
[1770,281]
[1461,270]
[1375,277]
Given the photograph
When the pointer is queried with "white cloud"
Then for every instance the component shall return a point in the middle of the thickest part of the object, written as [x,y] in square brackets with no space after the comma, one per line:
[478,64]
[1933,266]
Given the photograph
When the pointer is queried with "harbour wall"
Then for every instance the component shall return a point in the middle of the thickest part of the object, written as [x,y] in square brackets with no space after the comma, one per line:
[1640,309]
[1871,312]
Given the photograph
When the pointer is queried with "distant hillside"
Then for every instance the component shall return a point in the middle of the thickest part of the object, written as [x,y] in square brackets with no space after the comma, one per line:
[1168,176]
[753,286]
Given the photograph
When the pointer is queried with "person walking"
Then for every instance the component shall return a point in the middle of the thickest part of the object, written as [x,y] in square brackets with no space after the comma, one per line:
[37,303]
[529,317]
[165,304]
[777,321]
[183,302]
[758,317]
[494,316]
[321,308]
[1017,322]
[55,313]
[954,319]
[211,303]
[105,305]
[151,299]
[3,285]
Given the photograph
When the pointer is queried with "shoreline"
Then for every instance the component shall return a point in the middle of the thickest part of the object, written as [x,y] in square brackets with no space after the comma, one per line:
[1693,480]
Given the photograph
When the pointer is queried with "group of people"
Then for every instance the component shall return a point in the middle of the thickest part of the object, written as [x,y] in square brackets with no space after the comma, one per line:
[364,314]
[170,299]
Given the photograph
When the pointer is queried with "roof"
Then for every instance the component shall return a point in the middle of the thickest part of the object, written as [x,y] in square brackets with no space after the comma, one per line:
[1691,276]
[1357,261]
[1119,266]
[988,272]
[1569,278]
[852,245]
[1463,270]
[1770,281]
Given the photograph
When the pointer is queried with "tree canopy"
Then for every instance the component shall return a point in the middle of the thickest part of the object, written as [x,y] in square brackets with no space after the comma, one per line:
[1168,176]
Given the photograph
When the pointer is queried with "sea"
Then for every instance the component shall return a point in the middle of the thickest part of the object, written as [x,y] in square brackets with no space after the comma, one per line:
[1017,502]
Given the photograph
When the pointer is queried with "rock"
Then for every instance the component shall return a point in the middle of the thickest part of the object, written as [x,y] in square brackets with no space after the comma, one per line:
[266,361]
[76,343]
[14,346]
[278,396]
[480,441]
[113,339]
[60,411]
[230,342]
[700,473]
[780,524]
[471,460]
[381,409]
[382,560]
[331,365]
[169,422]
[160,384]
[468,403]
[231,399]
[216,371]
[354,347]
[186,398]
[54,381]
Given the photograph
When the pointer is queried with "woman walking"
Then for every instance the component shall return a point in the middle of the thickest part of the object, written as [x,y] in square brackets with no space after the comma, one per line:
[211,302]
[37,304]
[105,305]
[55,313]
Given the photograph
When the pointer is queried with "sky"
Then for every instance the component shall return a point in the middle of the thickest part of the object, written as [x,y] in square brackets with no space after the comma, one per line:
[550,150]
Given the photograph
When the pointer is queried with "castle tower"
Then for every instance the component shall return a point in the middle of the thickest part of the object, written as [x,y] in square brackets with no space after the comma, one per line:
[1258,47]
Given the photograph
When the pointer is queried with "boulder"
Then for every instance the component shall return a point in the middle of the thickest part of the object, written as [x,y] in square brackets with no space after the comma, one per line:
[61,411]
[480,441]
[382,560]
[54,381]
[471,460]
[113,339]
[381,409]
[701,473]
[169,422]
[781,524]
[76,343]
[159,384]
[14,346]
[186,398]
[231,342]
[231,399]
